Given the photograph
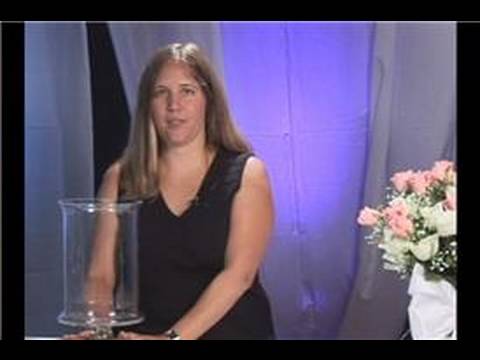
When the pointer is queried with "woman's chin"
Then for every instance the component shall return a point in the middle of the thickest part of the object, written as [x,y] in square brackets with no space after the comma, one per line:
[179,138]
[178,141]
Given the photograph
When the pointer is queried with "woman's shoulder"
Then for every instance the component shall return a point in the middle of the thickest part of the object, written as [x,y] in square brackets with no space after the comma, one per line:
[112,174]
[250,168]
[255,172]
[234,156]
[114,169]
[110,181]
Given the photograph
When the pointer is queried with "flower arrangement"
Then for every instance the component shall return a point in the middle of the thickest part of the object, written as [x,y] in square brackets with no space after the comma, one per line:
[418,222]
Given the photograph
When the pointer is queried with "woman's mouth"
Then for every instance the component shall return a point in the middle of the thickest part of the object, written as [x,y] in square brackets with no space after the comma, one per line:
[175,122]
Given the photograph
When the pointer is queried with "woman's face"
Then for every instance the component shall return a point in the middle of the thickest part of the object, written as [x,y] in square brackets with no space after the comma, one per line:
[178,105]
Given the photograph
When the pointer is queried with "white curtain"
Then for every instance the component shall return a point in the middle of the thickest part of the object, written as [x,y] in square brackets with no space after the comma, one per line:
[58,158]
[413,124]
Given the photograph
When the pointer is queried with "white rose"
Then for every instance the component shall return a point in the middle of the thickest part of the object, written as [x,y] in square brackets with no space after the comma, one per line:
[394,245]
[443,220]
[447,223]
[426,248]
[396,252]
[429,214]
[452,191]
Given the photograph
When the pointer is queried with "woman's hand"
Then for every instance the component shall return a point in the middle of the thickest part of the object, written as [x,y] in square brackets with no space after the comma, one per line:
[128,335]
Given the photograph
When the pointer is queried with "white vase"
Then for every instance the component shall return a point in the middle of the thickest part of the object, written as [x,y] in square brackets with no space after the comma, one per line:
[432,311]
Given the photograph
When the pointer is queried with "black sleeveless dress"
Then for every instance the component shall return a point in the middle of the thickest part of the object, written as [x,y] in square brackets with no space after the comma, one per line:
[180,255]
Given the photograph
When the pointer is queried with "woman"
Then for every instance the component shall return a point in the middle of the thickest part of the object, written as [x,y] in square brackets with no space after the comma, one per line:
[207,211]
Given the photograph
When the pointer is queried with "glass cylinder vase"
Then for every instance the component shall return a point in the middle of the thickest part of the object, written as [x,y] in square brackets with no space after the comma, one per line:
[100,264]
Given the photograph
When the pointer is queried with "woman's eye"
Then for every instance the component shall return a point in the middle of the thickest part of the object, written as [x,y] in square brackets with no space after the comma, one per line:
[159,92]
[188,91]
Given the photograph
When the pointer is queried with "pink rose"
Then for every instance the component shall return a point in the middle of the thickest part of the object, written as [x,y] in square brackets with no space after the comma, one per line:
[397,218]
[368,217]
[441,168]
[401,226]
[401,179]
[397,208]
[420,181]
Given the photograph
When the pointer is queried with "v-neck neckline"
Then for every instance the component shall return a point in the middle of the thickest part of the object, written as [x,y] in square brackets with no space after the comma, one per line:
[198,194]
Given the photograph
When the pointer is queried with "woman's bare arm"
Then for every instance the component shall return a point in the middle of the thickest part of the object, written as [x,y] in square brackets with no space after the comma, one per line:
[101,273]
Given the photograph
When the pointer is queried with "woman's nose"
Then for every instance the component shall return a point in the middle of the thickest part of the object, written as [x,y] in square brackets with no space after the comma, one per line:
[173,102]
